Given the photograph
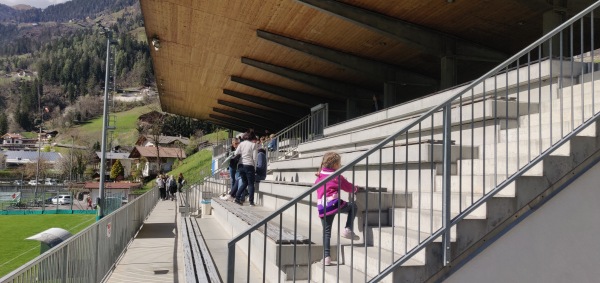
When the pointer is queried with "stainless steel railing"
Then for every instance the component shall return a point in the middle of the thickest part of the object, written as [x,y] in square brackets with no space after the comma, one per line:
[210,186]
[443,167]
[285,143]
[89,255]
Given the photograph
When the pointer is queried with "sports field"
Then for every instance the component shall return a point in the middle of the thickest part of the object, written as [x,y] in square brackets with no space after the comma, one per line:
[16,251]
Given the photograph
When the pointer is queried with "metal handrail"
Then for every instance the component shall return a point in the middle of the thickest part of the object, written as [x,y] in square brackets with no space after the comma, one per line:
[307,128]
[445,111]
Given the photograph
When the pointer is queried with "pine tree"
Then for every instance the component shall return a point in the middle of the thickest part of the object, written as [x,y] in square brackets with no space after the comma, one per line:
[3,124]
[117,170]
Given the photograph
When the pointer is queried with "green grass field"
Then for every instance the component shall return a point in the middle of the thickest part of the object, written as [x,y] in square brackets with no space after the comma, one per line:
[16,251]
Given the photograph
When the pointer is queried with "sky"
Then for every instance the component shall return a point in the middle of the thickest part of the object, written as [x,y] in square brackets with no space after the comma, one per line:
[34,3]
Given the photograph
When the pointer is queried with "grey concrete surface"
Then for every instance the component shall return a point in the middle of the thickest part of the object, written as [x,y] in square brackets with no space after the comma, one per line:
[155,254]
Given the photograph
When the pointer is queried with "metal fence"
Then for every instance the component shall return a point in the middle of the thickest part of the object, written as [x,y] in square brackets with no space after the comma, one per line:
[45,199]
[15,197]
[203,190]
[285,143]
[92,253]
[441,168]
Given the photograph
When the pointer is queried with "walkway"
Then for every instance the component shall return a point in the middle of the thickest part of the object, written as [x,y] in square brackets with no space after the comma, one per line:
[155,254]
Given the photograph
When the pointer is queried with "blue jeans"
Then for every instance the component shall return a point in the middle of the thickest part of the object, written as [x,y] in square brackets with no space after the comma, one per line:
[246,180]
[233,175]
[327,221]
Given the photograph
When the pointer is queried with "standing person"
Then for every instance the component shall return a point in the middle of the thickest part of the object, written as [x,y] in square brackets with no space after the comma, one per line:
[272,145]
[248,151]
[89,202]
[172,185]
[180,181]
[233,174]
[261,165]
[329,203]
[160,182]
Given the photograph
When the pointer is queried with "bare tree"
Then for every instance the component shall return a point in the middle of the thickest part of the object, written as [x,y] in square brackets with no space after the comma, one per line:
[153,129]
[29,170]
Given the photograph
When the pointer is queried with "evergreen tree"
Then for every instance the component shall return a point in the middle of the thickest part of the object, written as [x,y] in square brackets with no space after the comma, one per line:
[96,146]
[117,170]
[3,124]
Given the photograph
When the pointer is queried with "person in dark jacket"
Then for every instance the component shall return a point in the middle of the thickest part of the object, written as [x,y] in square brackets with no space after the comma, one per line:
[261,165]
[180,182]
[233,175]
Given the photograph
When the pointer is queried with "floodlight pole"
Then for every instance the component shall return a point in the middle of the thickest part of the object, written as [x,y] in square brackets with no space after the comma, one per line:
[100,203]
[37,168]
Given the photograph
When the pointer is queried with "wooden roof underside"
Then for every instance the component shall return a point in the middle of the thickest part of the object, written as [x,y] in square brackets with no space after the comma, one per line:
[202,43]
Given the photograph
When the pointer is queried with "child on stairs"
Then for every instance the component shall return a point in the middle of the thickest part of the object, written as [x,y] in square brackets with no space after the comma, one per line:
[329,203]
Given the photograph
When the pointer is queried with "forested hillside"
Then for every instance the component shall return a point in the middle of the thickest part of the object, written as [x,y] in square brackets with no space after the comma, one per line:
[64,60]
[74,9]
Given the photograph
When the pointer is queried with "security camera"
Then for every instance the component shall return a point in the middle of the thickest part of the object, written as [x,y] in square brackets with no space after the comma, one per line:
[156,43]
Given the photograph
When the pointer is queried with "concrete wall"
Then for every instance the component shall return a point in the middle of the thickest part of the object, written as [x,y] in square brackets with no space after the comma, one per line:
[560,242]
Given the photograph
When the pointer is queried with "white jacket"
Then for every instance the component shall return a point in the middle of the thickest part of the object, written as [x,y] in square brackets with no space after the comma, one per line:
[248,150]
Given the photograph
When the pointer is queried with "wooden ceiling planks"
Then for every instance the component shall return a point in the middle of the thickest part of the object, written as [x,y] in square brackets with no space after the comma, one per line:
[203,41]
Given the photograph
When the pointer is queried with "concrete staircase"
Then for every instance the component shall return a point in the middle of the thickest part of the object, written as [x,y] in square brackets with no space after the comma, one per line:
[493,138]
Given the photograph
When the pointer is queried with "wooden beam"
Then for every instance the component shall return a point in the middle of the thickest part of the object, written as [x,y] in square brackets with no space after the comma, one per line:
[233,121]
[305,99]
[267,114]
[251,118]
[227,125]
[341,90]
[418,37]
[375,70]
[297,111]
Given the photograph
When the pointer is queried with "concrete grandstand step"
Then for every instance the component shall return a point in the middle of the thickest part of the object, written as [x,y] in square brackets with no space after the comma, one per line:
[570,95]
[478,184]
[400,239]
[552,167]
[336,273]
[532,147]
[372,260]
[459,116]
[481,167]
[423,220]
[508,81]
[575,115]
[389,177]
[546,131]
[458,202]
[414,153]
[464,134]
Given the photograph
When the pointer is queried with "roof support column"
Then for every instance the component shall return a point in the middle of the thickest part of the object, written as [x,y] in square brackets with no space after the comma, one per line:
[550,20]
[351,109]
[448,66]
[390,93]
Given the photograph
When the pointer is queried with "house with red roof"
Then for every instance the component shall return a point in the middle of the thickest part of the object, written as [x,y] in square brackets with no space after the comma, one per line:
[166,155]
[122,190]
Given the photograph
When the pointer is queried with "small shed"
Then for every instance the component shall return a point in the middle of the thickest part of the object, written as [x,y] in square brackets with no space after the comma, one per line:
[50,238]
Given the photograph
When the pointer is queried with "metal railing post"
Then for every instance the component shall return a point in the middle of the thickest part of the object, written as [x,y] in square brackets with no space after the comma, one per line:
[446,194]
[230,262]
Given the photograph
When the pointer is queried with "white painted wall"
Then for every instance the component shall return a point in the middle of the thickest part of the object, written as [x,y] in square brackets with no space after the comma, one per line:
[560,242]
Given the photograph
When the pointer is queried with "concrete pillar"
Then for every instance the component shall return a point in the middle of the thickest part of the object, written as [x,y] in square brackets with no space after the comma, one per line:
[551,20]
[391,91]
[448,76]
[351,109]
[448,72]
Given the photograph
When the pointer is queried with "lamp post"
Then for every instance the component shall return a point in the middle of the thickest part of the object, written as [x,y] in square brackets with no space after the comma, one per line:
[71,155]
[101,199]
[37,170]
